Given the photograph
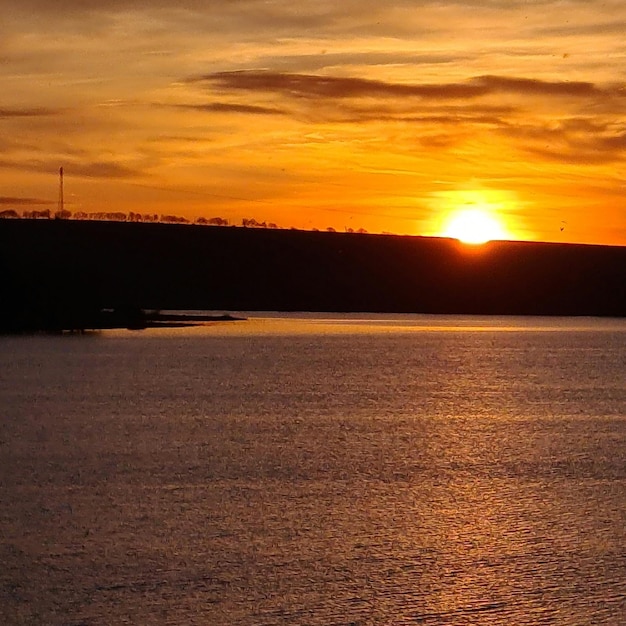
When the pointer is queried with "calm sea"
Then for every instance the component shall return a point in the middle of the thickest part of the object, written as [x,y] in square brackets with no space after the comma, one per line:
[347,470]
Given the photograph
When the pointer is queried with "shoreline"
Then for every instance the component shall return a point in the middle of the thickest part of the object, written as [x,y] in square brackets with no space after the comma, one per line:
[117,320]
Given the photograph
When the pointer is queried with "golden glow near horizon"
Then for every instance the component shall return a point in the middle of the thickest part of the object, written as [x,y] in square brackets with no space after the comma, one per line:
[381,116]
[474,226]
[477,216]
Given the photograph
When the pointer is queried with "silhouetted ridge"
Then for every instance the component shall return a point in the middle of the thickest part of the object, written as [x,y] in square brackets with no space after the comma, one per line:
[62,273]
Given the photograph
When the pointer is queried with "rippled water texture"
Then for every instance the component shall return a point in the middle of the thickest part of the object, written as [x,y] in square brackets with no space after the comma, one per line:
[352,470]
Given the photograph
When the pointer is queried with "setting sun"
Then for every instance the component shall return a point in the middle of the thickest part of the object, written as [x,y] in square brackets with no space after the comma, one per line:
[474,226]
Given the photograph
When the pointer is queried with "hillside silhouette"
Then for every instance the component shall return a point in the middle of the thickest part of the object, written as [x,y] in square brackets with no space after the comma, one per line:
[63,274]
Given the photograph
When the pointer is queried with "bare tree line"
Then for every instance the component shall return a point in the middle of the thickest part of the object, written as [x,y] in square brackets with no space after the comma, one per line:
[111,216]
[119,216]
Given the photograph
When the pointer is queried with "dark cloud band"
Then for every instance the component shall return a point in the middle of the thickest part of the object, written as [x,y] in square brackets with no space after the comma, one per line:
[314,86]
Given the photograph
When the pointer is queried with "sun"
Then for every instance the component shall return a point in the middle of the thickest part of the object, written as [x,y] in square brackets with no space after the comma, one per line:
[474,226]
[475,215]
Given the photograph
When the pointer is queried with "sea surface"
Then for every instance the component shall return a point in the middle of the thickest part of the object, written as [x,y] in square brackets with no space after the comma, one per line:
[316,470]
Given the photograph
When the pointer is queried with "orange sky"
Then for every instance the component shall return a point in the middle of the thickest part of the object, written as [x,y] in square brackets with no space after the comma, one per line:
[384,116]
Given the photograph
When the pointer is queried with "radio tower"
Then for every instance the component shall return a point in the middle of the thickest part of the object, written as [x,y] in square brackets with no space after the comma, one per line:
[60,207]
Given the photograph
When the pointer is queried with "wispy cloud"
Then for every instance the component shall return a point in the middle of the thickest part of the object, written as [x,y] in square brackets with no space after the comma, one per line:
[10,201]
[572,140]
[489,100]
[380,58]
[318,86]
[600,27]
[105,169]
[9,113]
[87,169]
[224,107]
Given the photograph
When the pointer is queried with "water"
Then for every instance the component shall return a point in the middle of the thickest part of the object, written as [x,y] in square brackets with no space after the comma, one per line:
[347,470]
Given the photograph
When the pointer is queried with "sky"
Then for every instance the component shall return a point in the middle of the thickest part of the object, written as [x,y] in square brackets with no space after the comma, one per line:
[386,116]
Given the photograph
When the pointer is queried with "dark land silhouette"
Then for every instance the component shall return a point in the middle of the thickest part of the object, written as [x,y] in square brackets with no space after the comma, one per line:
[60,275]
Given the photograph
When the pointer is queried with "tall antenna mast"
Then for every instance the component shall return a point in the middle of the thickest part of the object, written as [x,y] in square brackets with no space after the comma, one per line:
[61,203]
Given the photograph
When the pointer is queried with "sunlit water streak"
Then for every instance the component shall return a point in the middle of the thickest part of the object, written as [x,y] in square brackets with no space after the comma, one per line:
[316,470]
